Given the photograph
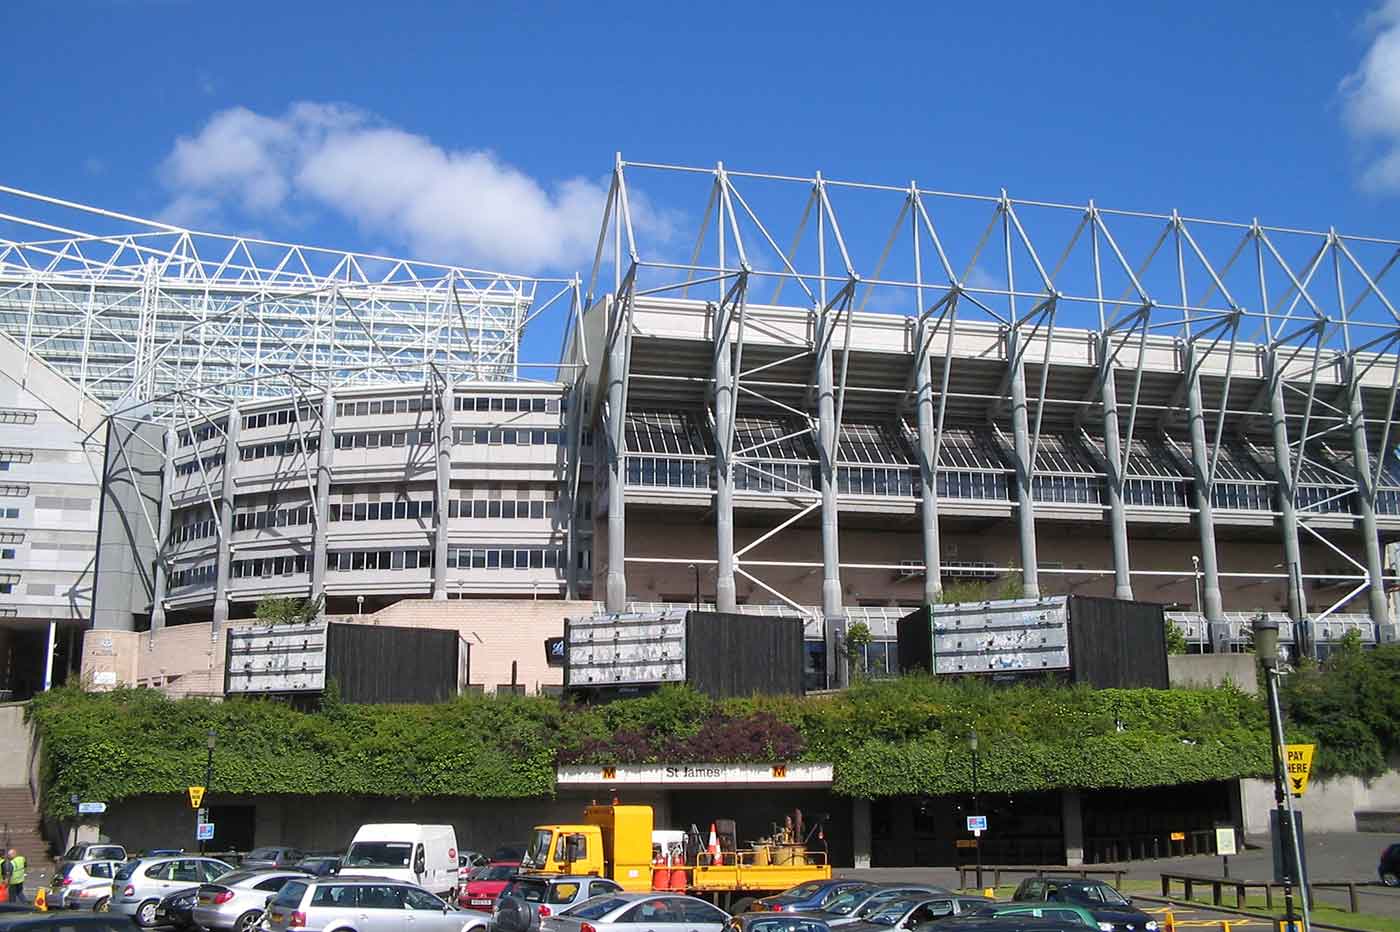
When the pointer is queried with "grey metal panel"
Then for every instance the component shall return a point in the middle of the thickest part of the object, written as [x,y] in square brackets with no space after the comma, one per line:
[1006,636]
[626,649]
[277,659]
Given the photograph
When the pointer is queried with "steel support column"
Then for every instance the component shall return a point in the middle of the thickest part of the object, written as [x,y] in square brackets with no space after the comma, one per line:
[1025,500]
[1366,504]
[325,453]
[226,491]
[833,601]
[617,473]
[162,580]
[1211,605]
[1113,480]
[1288,513]
[928,467]
[442,490]
[725,402]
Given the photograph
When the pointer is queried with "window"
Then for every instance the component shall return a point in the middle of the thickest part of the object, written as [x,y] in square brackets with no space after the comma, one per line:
[595,908]
[381,896]
[289,897]
[7,554]
[421,899]
[697,911]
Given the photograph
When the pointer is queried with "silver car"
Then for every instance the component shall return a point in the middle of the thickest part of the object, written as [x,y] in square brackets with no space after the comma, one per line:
[530,897]
[630,912]
[102,852]
[857,905]
[82,884]
[140,885]
[236,902]
[364,904]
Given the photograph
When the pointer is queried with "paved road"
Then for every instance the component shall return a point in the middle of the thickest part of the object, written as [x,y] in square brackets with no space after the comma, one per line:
[1330,857]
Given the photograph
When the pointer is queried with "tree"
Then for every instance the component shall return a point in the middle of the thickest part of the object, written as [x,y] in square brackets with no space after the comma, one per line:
[858,637]
[1176,638]
[286,610]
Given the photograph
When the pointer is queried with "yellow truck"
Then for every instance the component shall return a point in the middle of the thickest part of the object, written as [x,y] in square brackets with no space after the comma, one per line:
[620,842]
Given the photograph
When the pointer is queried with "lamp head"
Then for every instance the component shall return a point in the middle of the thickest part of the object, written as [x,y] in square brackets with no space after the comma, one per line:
[972,739]
[1266,641]
[209,739]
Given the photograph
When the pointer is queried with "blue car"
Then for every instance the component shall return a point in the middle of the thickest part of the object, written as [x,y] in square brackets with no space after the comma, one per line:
[807,896]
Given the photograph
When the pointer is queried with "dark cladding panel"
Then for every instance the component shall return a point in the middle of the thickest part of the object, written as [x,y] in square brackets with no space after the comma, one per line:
[743,655]
[372,664]
[1115,643]
[915,641]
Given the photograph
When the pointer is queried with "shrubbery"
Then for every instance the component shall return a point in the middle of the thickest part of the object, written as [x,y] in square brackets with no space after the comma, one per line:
[1351,705]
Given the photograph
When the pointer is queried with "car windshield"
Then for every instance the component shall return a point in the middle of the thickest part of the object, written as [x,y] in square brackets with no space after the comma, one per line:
[892,912]
[877,901]
[497,872]
[596,908]
[379,854]
[1093,894]
[531,891]
[127,870]
[842,900]
[538,852]
[804,890]
[263,854]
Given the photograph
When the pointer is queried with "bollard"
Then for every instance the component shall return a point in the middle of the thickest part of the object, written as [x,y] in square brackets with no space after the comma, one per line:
[1169,923]
[1224,925]
[989,892]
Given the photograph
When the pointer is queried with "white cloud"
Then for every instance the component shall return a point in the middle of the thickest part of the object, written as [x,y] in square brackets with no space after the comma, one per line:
[1371,100]
[462,206]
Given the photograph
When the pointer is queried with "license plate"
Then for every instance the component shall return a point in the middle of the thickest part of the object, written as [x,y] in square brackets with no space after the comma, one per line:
[205,899]
[481,902]
[274,917]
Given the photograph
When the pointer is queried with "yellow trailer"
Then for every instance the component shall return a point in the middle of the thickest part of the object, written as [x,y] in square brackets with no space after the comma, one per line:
[616,842]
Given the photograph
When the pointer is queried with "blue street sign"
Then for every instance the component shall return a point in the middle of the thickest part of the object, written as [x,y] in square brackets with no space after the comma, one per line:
[976,823]
[91,808]
[204,832]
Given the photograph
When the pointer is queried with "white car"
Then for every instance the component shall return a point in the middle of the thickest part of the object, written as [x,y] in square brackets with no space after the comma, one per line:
[629,912]
[82,884]
[140,885]
[364,904]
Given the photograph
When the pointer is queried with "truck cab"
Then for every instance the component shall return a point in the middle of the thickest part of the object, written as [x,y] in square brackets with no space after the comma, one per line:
[612,841]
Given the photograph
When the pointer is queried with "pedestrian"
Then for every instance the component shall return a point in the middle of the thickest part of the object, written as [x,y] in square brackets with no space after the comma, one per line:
[16,878]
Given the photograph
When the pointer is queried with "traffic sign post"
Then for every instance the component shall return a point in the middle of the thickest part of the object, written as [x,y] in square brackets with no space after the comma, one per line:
[977,824]
[204,831]
[1225,846]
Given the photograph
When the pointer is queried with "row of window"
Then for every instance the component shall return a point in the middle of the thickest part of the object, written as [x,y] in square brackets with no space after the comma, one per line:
[383,406]
[263,567]
[349,560]
[507,436]
[293,516]
[206,431]
[400,509]
[259,451]
[506,405]
[209,463]
[194,576]
[207,526]
[17,416]
[507,558]
[283,416]
[374,439]
[498,508]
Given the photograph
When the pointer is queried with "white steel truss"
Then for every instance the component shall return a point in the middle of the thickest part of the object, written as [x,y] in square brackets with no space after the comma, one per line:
[138,311]
[1258,325]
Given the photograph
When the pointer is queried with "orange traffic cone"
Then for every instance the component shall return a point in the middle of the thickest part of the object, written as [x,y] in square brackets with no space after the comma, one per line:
[713,848]
[4,893]
[41,900]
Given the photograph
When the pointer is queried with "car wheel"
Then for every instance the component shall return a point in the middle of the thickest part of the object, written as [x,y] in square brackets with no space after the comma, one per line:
[248,921]
[146,914]
[1390,878]
[102,905]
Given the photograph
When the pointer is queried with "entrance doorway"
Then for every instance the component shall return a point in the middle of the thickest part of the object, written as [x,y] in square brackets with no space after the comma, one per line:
[233,827]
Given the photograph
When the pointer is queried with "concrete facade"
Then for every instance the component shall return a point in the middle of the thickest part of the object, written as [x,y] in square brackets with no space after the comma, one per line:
[1330,805]
[1239,670]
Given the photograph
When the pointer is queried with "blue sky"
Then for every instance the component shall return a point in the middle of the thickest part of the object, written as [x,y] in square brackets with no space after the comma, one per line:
[1220,109]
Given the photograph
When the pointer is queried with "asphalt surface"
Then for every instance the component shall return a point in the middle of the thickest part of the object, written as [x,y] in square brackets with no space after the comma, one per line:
[1340,857]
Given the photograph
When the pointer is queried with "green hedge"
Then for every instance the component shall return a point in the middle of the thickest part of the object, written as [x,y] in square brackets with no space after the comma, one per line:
[888,737]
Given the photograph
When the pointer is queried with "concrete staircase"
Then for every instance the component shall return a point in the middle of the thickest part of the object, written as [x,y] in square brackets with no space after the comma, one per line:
[19,829]
[19,815]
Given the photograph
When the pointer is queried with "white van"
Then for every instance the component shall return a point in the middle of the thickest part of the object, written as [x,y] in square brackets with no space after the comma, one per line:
[421,854]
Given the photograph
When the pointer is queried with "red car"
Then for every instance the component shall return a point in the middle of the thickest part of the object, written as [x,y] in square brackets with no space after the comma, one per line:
[486,884]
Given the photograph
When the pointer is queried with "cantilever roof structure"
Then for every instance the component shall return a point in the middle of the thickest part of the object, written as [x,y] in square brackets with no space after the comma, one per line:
[135,311]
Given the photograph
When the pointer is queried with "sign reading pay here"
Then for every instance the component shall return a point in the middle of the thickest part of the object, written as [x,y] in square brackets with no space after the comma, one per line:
[1298,763]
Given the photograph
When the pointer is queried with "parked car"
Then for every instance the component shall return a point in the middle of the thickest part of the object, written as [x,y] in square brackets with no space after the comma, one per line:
[363,904]
[319,866]
[81,884]
[1064,913]
[236,902]
[486,884]
[909,912]
[530,898]
[855,904]
[176,910]
[468,861]
[1112,911]
[979,922]
[272,858]
[1389,868]
[809,897]
[780,922]
[101,852]
[140,885]
[29,920]
[627,912]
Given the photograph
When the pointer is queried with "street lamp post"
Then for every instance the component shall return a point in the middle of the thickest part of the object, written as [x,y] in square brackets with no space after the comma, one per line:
[976,805]
[1196,574]
[209,739]
[697,586]
[1266,649]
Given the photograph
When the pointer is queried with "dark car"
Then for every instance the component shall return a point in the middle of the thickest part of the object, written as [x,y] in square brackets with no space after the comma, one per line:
[1113,911]
[808,897]
[775,922]
[319,866]
[272,857]
[981,923]
[1389,868]
[177,909]
[32,921]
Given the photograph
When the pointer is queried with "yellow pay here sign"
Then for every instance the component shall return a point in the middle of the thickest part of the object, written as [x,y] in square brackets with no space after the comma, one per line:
[196,796]
[1298,763]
